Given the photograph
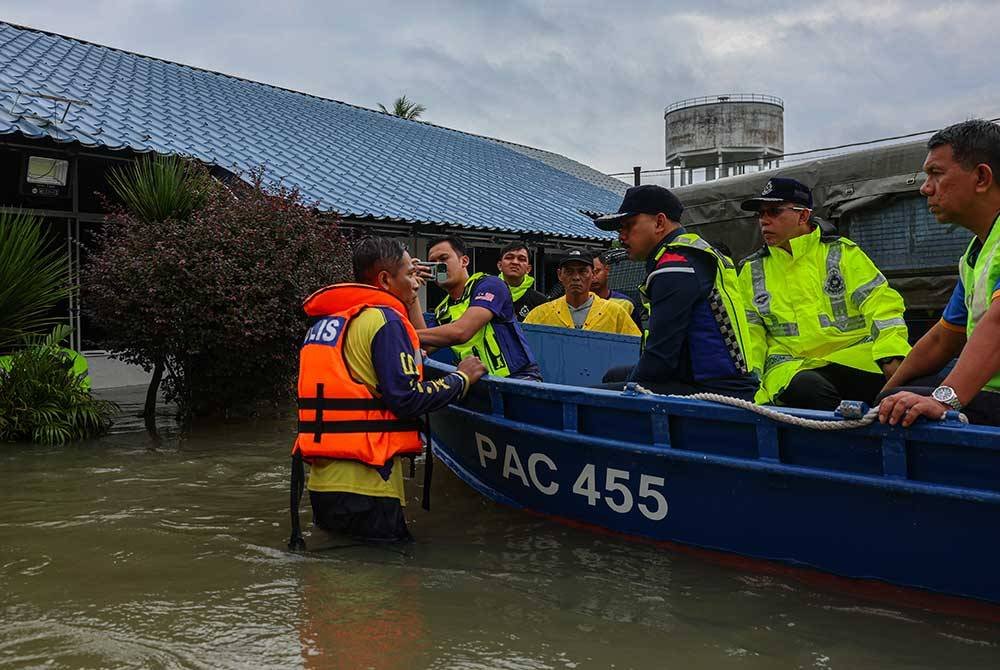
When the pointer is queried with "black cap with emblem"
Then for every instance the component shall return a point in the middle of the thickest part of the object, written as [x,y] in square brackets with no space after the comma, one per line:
[646,199]
[780,189]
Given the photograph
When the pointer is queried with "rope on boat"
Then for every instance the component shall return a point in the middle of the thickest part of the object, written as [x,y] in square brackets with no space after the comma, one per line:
[772,413]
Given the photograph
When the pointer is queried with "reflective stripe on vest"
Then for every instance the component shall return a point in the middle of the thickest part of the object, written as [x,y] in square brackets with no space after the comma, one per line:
[762,301]
[978,282]
[835,289]
[861,293]
[484,344]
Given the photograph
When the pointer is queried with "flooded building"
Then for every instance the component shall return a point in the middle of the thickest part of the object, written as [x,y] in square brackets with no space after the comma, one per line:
[71,111]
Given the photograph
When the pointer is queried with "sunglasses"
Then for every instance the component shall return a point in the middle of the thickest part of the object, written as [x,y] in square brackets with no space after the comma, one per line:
[772,212]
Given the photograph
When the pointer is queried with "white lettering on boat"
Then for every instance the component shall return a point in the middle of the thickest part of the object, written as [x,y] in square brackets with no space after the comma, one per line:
[510,458]
[617,494]
[533,460]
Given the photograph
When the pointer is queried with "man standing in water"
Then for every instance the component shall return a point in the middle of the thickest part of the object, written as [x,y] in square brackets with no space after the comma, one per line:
[514,266]
[361,391]
[697,332]
[962,167]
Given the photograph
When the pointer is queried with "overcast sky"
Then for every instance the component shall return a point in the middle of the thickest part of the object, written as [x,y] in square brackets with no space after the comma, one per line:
[584,79]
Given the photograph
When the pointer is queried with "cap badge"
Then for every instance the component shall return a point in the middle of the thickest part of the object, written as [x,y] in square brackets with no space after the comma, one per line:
[767,188]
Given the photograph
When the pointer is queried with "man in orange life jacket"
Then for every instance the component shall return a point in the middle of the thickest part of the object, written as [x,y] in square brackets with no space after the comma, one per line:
[361,391]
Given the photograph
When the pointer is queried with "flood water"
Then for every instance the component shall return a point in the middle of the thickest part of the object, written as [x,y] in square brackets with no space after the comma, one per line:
[129,553]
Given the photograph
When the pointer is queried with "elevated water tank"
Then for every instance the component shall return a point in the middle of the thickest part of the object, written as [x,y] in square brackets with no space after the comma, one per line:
[723,134]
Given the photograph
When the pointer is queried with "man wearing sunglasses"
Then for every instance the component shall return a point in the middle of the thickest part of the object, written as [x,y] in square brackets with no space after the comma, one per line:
[825,325]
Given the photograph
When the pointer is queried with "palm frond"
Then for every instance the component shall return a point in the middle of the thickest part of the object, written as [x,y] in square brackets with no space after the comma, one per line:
[159,188]
[33,277]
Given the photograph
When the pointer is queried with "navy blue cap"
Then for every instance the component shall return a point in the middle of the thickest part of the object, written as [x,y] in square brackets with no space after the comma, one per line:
[577,256]
[645,199]
[780,189]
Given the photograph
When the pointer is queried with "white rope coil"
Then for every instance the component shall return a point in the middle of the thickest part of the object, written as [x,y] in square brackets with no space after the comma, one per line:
[783,417]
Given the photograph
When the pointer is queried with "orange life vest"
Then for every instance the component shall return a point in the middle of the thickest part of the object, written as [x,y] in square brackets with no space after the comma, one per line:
[339,417]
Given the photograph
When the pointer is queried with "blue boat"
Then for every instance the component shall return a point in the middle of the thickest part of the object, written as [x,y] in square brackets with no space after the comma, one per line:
[917,508]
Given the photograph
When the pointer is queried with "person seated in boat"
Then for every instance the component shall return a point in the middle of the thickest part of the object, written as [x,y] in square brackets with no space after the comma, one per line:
[361,392]
[825,325]
[579,307]
[599,286]
[477,317]
[696,337]
[961,187]
[514,266]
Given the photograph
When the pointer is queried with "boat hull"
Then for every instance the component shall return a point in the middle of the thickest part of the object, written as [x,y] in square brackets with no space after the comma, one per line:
[714,481]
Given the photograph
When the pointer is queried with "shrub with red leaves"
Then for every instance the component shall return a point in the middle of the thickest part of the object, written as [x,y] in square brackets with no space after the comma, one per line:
[218,297]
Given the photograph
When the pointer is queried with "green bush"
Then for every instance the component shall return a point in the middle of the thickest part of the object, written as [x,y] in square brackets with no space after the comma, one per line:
[43,399]
[33,278]
[212,296]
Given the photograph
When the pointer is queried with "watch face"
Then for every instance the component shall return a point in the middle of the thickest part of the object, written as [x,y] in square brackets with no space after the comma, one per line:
[946,395]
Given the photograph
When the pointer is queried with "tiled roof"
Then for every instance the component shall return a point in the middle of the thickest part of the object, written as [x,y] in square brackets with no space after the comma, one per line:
[356,161]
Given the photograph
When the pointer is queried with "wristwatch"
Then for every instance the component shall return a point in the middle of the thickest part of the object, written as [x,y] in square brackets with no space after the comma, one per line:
[947,396]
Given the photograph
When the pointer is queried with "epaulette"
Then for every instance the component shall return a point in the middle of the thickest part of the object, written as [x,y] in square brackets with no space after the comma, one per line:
[763,252]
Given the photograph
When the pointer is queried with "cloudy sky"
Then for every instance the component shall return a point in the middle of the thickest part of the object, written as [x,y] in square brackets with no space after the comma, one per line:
[585,79]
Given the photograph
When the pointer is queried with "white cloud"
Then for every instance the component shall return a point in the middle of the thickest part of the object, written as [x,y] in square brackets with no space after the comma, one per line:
[588,80]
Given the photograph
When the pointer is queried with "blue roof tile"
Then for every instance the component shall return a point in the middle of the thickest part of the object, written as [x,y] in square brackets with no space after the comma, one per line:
[357,161]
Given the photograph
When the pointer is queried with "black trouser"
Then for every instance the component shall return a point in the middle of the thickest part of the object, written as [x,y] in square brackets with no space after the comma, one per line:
[982,410]
[365,517]
[824,388]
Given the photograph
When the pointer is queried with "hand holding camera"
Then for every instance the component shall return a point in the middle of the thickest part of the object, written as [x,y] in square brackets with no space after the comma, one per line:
[435,272]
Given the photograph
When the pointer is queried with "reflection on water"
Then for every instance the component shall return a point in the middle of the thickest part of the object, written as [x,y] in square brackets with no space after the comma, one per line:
[142,553]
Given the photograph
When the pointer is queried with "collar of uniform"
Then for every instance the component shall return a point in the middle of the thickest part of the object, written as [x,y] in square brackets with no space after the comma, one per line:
[668,238]
[803,245]
[518,291]
[976,246]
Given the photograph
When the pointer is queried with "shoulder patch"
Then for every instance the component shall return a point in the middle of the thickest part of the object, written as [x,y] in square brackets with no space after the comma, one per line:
[672,257]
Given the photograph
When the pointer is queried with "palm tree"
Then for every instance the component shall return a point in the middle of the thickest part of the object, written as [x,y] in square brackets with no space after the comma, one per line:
[404,109]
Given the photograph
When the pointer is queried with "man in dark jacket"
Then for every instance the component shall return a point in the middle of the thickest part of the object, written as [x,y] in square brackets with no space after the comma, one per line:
[697,331]
[514,266]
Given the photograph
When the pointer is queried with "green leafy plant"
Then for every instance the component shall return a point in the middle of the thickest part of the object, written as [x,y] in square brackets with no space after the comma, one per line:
[32,278]
[42,398]
[158,188]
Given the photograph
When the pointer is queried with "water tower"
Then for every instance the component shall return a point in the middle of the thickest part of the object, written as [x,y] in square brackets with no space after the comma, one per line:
[723,134]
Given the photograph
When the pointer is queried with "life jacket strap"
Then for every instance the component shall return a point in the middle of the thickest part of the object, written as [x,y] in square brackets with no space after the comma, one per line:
[334,404]
[319,428]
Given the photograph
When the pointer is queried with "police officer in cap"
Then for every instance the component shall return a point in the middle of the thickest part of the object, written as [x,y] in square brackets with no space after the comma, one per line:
[825,325]
[696,337]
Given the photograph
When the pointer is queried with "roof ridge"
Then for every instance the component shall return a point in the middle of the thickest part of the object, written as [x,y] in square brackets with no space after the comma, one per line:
[282,88]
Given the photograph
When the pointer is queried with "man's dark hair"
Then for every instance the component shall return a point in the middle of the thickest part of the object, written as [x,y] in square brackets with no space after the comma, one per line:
[374,254]
[514,246]
[972,142]
[456,242]
[600,256]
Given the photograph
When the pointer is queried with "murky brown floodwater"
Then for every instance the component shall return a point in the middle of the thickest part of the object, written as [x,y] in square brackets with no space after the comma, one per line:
[121,553]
